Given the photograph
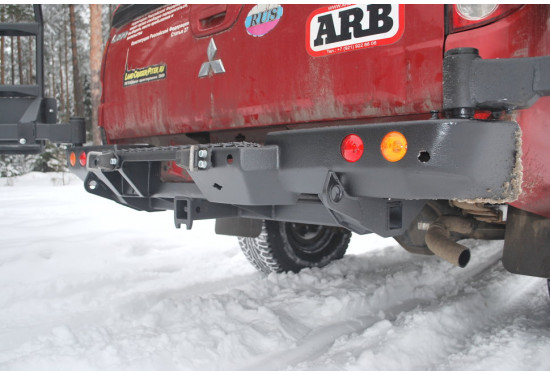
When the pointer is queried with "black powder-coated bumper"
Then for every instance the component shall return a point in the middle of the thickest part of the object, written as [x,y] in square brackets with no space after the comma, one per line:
[445,159]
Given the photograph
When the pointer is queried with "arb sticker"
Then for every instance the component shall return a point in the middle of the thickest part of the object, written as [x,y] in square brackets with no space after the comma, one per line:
[344,28]
[263,18]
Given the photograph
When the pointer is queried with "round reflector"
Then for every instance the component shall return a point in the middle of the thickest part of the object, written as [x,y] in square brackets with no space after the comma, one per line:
[72,159]
[82,159]
[393,146]
[352,148]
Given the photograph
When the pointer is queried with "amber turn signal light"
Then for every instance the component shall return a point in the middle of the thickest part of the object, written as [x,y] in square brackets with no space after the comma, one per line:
[72,159]
[393,146]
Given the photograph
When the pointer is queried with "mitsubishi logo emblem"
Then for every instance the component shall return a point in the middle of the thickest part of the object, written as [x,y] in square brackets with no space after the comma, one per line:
[215,66]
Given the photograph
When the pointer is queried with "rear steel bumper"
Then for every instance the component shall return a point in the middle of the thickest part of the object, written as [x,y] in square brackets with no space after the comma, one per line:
[445,159]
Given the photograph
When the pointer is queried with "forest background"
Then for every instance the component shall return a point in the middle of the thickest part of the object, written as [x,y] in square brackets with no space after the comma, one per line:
[74,37]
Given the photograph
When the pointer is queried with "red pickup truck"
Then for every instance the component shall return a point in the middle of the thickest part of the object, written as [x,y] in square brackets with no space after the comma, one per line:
[295,125]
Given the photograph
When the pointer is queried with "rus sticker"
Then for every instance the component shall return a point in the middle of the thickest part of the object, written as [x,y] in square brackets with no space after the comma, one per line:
[345,28]
[263,18]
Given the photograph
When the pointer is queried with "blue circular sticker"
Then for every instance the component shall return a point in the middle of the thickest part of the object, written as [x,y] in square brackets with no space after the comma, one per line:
[263,18]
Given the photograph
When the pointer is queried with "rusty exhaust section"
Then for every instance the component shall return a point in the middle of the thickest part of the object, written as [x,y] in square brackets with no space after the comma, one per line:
[439,242]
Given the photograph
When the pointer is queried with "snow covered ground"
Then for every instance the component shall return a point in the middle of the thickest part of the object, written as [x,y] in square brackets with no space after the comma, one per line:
[88,284]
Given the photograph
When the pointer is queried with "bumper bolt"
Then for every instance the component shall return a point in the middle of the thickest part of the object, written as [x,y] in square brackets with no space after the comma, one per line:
[336,193]
[203,153]
[202,164]
[22,141]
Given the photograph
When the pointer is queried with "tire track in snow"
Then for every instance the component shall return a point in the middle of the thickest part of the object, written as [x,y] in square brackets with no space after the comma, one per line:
[506,297]
[487,302]
[319,340]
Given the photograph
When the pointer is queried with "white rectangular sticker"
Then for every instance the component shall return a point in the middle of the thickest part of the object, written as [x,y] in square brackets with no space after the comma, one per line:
[345,28]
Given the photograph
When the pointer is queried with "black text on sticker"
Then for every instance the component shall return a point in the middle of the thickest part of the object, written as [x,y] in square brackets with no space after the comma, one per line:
[331,29]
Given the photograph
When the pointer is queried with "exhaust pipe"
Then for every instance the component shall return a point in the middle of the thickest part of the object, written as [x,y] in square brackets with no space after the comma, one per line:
[439,242]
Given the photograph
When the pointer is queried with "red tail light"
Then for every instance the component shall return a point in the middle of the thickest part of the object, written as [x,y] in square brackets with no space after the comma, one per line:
[352,148]
[468,16]
[82,159]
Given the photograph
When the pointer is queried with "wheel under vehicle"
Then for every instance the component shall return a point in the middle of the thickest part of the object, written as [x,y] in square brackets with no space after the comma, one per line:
[284,246]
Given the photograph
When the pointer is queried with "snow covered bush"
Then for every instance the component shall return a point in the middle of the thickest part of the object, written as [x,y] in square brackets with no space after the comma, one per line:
[52,159]
[12,166]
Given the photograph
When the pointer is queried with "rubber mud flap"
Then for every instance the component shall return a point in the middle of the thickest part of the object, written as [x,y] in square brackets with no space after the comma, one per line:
[527,244]
[237,226]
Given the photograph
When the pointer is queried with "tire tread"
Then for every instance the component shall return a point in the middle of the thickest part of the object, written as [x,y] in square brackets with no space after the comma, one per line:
[266,254]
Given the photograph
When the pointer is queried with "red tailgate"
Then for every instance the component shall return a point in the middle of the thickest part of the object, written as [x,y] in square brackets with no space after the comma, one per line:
[269,65]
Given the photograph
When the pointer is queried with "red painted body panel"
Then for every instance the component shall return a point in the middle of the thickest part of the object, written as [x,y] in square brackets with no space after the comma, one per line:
[269,80]
[524,33]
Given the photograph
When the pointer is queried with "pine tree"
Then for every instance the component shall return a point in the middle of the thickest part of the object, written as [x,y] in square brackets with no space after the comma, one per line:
[95,66]
[78,95]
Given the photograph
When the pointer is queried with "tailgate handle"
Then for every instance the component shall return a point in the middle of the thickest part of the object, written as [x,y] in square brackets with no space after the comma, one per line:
[212,16]
[208,19]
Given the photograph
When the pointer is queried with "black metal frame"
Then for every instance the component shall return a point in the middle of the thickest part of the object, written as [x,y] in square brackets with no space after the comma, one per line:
[27,119]
[301,176]
[470,82]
